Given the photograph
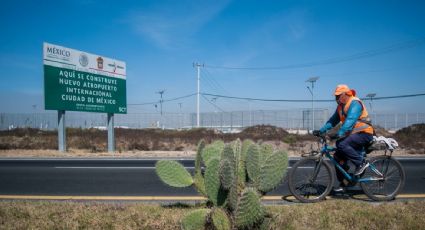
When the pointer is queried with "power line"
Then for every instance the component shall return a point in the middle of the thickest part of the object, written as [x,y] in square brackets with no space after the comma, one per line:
[178,98]
[276,100]
[216,83]
[208,83]
[262,99]
[394,97]
[365,54]
[212,103]
[302,100]
[166,100]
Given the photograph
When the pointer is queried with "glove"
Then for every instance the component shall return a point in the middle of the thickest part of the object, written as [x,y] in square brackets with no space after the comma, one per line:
[316,133]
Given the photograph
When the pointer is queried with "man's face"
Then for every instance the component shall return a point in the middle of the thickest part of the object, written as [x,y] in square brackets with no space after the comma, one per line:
[341,99]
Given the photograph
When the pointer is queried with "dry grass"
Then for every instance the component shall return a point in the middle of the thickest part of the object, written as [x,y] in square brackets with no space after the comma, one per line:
[324,215]
[70,215]
[132,139]
[351,215]
[84,153]
[411,139]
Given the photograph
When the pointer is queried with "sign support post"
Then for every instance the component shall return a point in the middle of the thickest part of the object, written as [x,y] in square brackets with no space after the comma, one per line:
[111,134]
[61,131]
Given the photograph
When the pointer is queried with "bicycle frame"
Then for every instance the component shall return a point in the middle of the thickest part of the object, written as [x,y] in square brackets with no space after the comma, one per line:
[327,150]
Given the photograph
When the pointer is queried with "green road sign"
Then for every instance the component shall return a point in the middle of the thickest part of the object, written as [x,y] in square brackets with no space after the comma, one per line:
[79,81]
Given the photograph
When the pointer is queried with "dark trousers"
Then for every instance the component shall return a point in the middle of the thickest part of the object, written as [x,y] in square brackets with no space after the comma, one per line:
[350,148]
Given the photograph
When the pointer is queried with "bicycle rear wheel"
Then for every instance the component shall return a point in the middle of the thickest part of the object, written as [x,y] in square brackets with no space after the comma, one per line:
[387,187]
[305,185]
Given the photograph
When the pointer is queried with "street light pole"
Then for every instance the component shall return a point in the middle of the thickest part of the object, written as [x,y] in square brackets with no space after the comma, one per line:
[312,80]
[198,66]
[371,96]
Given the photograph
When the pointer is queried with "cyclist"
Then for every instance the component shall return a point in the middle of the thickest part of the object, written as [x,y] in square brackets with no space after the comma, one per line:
[355,133]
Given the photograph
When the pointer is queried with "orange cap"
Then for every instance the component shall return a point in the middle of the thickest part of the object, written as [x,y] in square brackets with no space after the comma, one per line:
[341,89]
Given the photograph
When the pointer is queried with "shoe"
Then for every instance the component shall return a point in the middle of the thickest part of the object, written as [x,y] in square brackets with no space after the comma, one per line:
[338,189]
[360,169]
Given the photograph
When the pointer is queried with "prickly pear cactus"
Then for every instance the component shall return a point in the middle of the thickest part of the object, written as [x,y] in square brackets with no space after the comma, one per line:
[234,178]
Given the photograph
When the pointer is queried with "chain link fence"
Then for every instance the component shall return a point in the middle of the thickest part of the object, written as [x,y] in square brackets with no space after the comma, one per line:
[300,119]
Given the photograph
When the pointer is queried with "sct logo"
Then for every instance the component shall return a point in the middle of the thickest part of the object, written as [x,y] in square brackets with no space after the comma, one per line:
[122,109]
[56,51]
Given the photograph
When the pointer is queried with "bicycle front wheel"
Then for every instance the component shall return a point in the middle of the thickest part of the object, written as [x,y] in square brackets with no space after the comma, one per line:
[386,186]
[310,179]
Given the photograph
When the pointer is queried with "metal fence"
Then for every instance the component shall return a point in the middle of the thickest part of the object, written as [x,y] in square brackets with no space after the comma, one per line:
[300,119]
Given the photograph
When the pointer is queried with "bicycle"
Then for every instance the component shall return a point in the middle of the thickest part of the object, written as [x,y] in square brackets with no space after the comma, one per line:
[312,178]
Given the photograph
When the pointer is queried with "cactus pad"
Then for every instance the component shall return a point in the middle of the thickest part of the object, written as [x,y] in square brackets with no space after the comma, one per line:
[198,159]
[212,151]
[173,173]
[199,183]
[249,209]
[266,151]
[212,183]
[195,220]
[221,220]
[227,173]
[273,171]
[253,163]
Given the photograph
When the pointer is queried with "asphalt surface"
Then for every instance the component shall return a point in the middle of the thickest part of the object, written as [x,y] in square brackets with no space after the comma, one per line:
[127,177]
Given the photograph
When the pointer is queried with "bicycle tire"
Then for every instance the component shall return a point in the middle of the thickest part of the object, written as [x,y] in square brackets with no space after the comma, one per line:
[299,180]
[392,182]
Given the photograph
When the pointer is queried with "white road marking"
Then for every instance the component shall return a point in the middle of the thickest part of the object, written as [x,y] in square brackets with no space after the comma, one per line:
[105,167]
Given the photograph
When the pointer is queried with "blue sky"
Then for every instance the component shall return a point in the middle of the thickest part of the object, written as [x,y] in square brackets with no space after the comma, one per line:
[160,40]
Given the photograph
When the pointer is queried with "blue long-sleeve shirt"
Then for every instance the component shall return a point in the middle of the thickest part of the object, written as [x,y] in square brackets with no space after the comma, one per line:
[353,114]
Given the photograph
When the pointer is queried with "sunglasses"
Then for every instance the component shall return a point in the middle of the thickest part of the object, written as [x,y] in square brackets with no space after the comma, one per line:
[337,97]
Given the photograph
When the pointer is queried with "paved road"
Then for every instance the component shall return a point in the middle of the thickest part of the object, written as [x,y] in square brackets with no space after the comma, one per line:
[125,177]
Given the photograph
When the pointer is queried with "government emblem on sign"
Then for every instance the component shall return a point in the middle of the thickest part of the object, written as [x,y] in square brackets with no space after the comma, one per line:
[84,60]
[99,62]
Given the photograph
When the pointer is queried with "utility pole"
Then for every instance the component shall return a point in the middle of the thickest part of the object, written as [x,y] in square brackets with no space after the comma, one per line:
[213,100]
[198,66]
[312,80]
[181,115]
[250,113]
[160,102]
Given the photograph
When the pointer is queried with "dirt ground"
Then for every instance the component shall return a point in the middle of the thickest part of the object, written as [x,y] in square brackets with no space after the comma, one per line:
[156,143]
[86,153]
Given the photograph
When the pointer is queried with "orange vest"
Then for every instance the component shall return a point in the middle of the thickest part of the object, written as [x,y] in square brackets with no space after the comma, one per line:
[363,123]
